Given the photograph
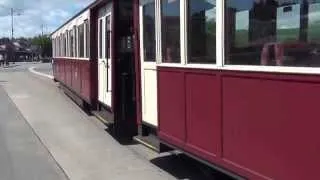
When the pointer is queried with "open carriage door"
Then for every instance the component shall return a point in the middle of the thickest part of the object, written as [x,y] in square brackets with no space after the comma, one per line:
[148,62]
[104,59]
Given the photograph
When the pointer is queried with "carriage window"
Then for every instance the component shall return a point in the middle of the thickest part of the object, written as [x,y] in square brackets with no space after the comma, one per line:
[60,45]
[170,23]
[71,43]
[57,46]
[86,22]
[108,36]
[53,48]
[202,31]
[273,33]
[100,38]
[75,41]
[65,44]
[81,40]
[149,35]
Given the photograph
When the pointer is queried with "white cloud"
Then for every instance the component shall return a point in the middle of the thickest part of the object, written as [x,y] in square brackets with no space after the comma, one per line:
[34,13]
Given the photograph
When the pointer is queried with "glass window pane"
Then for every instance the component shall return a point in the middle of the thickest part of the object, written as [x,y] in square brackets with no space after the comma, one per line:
[53,48]
[57,46]
[170,23]
[65,44]
[273,33]
[61,39]
[71,43]
[202,31]
[100,38]
[87,38]
[75,42]
[81,40]
[59,42]
[149,35]
[60,45]
[108,36]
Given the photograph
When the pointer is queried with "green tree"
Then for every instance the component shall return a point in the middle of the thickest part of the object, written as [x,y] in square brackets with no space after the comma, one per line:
[44,44]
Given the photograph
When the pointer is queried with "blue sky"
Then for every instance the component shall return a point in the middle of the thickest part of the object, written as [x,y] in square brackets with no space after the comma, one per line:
[34,13]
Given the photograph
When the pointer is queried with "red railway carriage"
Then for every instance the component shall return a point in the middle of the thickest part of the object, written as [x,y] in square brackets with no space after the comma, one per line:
[231,83]
[72,65]
[91,70]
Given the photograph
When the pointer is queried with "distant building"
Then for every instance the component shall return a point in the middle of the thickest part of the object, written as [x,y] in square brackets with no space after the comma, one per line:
[17,50]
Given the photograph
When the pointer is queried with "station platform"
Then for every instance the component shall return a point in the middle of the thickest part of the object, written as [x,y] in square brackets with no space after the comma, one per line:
[77,142]
[22,155]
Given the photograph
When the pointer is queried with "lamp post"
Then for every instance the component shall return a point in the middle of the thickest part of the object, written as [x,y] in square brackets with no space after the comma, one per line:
[13,12]
[42,43]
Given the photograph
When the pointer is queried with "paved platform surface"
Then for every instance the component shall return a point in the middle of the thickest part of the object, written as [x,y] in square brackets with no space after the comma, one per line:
[79,143]
[22,155]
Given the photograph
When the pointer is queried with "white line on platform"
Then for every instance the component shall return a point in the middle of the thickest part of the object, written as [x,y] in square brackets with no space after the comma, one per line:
[31,69]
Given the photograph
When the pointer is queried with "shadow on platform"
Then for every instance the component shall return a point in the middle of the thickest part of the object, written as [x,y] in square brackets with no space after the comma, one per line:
[184,167]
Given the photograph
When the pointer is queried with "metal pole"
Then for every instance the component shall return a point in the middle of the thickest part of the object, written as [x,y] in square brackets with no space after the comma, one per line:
[12,53]
[42,44]
[11,23]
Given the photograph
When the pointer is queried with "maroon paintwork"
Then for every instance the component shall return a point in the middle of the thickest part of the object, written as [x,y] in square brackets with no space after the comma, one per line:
[93,68]
[259,125]
[136,30]
[75,74]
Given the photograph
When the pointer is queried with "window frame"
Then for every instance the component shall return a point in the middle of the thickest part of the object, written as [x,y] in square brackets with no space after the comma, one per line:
[108,42]
[158,19]
[75,44]
[64,44]
[70,43]
[67,43]
[53,48]
[86,39]
[184,62]
[61,44]
[79,28]
[186,19]
[56,45]
[141,34]
[100,38]
[220,47]
[77,41]
[254,68]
